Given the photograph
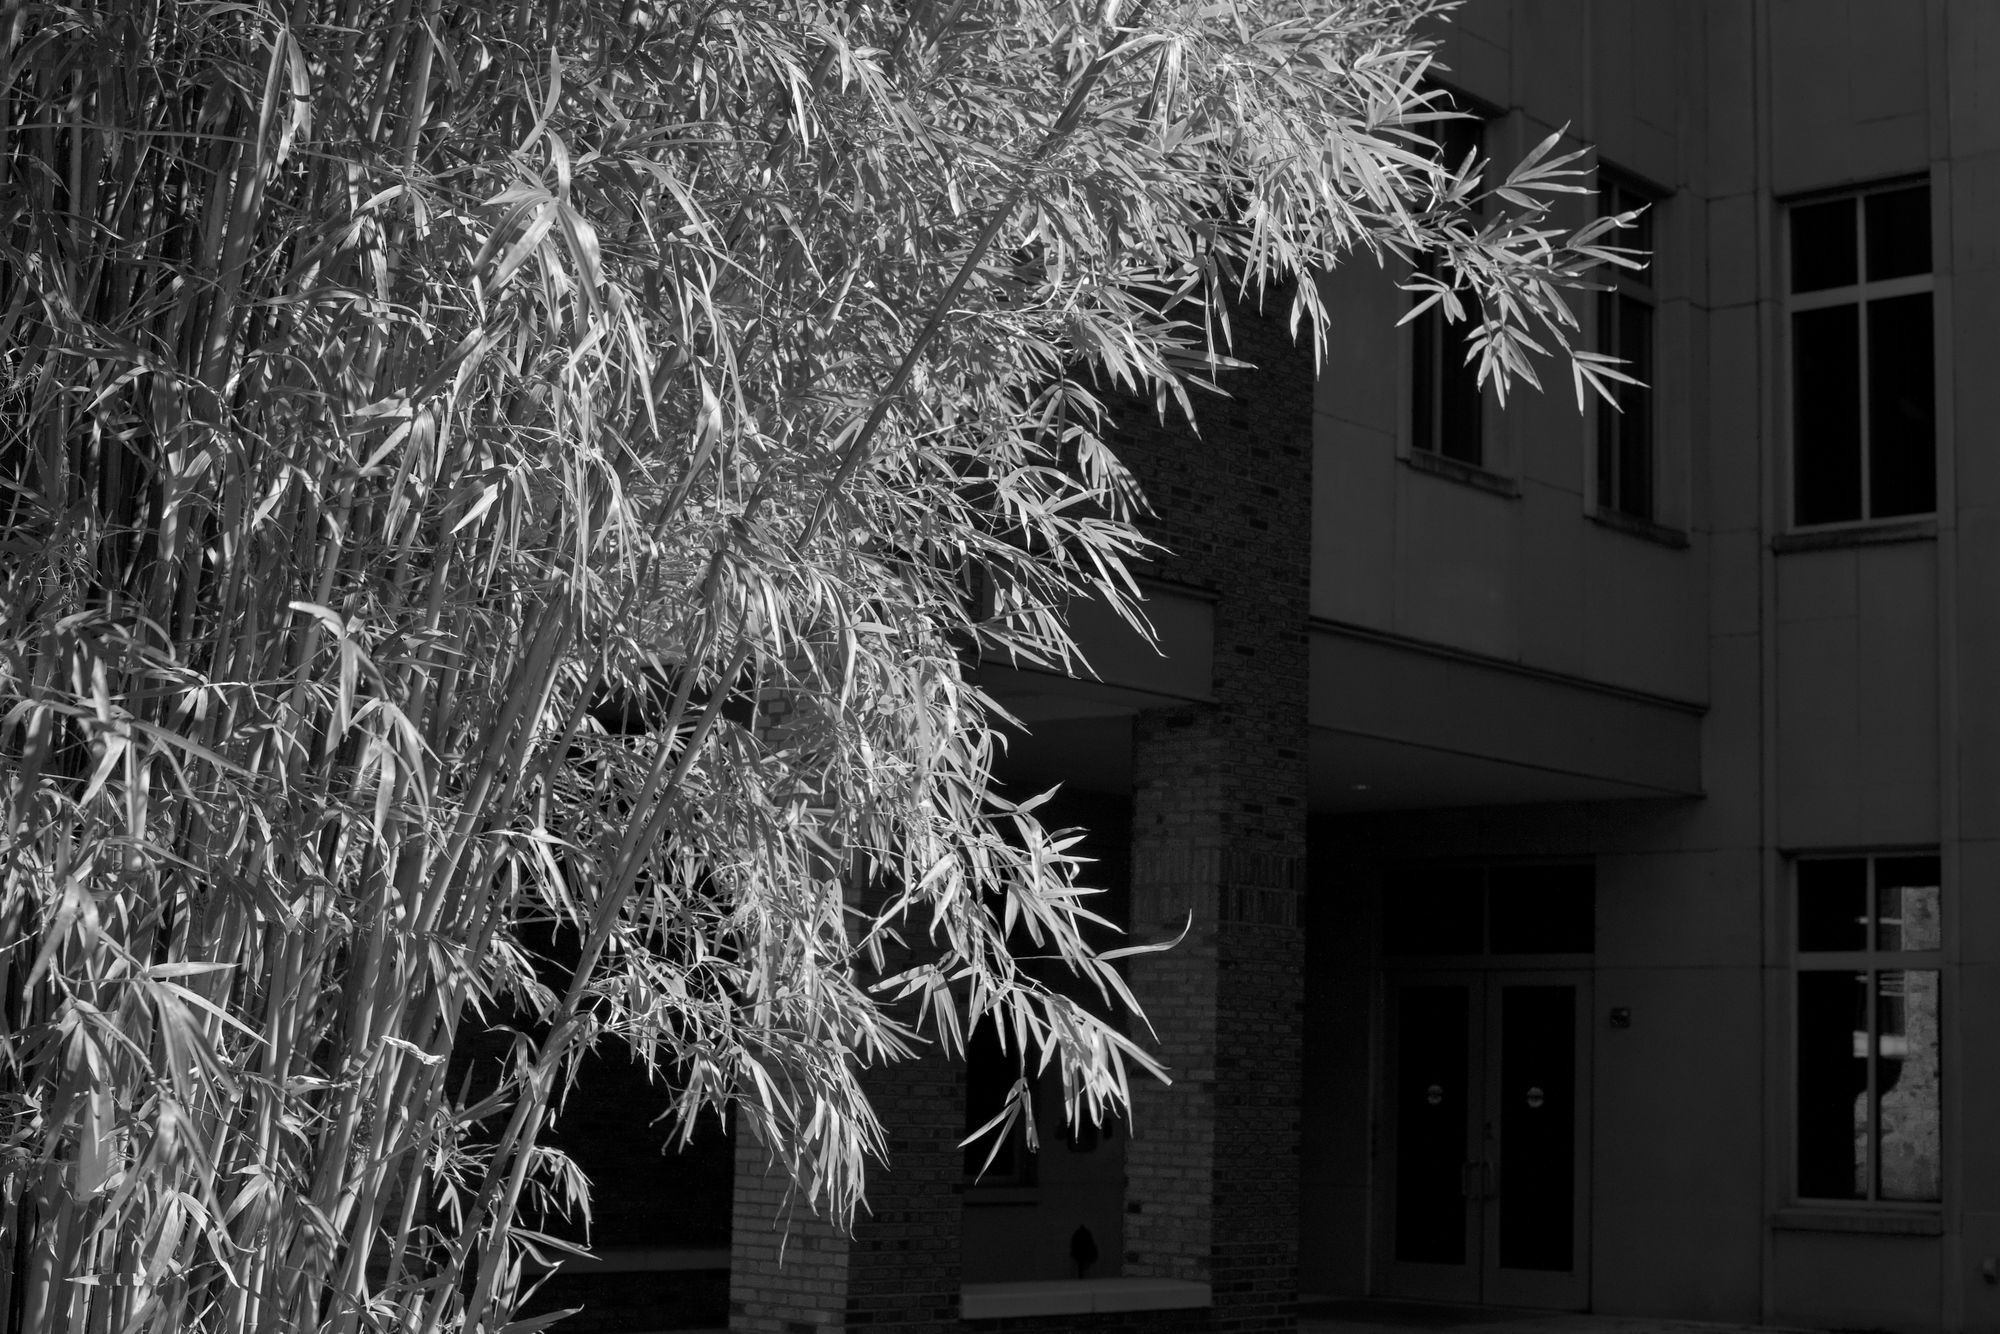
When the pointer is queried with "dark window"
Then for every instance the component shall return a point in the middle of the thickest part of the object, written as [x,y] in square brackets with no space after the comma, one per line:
[1867,1089]
[1833,904]
[1542,909]
[1823,245]
[1864,428]
[1902,422]
[1435,910]
[1512,908]
[1625,313]
[992,1071]
[1445,409]
[1826,414]
[1898,227]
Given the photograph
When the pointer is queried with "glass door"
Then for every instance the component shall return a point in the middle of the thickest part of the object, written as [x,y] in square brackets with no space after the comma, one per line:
[1488,1129]
[1435,1119]
[1537,1127]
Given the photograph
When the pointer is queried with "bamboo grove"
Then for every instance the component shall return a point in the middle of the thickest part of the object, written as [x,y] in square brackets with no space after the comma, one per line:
[501,504]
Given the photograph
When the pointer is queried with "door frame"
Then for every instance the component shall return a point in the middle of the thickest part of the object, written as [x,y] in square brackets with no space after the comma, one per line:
[1481,1280]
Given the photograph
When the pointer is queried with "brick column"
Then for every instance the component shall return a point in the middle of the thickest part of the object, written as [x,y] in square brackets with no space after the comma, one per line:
[1219,816]
[900,1271]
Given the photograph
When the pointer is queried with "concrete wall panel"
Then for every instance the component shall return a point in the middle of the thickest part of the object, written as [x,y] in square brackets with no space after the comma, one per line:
[1361,380]
[1731,748]
[1849,99]
[1475,50]
[1857,696]
[1817,743]
[1457,568]
[1733,446]
[1972,52]
[1678,1144]
[1734,572]
[1978,1083]
[1726,162]
[1550,44]
[1840,1280]
[1645,615]
[1354,533]
[1634,103]
[1733,225]
[1664,909]
[1975,394]
[1554,623]
[1897,661]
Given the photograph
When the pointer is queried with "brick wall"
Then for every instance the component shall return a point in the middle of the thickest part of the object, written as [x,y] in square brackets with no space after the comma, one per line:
[1219,834]
[787,1267]
[900,1268]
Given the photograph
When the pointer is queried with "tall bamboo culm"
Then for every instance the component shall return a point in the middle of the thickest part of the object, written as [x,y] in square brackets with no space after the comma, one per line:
[501,508]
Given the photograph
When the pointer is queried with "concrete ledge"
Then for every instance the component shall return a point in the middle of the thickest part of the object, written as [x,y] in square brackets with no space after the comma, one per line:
[1078,1296]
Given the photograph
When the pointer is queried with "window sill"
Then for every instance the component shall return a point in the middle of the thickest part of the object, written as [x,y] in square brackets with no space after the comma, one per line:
[1644,529]
[1466,474]
[1885,1222]
[1861,535]
[1080,1296]
[980,1195]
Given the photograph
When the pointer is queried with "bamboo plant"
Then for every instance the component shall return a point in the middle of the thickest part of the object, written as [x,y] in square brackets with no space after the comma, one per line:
[475,473]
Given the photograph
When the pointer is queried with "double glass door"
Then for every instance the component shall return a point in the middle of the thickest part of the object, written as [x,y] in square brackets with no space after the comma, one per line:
[1488,1138]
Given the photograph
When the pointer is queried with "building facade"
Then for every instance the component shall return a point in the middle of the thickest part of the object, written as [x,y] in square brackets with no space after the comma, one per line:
[1588,821]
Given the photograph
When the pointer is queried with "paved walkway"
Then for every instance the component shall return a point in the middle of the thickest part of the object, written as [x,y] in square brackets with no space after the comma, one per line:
[1369,1315]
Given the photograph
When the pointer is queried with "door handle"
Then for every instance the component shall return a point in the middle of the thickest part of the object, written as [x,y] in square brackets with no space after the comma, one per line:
[1488,1187]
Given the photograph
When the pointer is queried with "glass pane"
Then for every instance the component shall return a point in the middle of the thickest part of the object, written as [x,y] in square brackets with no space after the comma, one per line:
[1635,422]
[1833,1086]
[1458,394]
[1823,245]
[1898,223]
[1431,1109]
[1607,416]
[1537,1184]
[1616,199]
[1423,376]
[1543,910]
[1434,910]
[1906,903]
[1457,139]
[1833,904]
[1826,415]
[991,1071]
[1906,1080]
[1639,236]
[1902,407]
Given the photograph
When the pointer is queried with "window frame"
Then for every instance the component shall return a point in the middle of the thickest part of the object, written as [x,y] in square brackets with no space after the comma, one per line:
[1859,295]
[1617,191]
[1429,337]
[1869,962]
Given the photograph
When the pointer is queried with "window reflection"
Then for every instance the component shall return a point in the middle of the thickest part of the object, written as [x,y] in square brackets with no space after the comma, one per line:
[1906,1080]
